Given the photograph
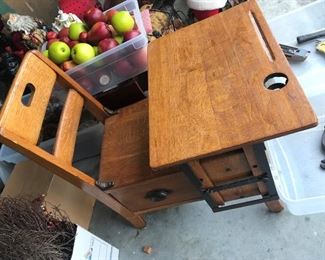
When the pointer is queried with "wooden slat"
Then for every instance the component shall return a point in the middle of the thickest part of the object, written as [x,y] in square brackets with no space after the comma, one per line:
[70,174]
[96,108]
[174,204]
[206,88]
[275,205]
[20,126]
[26,121]
[226,166]
[68,127]
[206,181]
[134,196]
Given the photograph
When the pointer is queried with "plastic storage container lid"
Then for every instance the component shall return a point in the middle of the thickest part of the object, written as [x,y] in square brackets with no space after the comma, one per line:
[203,5]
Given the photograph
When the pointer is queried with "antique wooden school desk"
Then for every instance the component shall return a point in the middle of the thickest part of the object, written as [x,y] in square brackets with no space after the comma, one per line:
[217,90]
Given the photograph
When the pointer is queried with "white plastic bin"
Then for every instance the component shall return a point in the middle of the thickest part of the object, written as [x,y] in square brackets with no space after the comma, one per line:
[294,162]
[123,62]
[295,159]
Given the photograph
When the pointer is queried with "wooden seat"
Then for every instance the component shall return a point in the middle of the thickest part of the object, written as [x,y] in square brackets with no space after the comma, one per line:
[125,147]
[21,122]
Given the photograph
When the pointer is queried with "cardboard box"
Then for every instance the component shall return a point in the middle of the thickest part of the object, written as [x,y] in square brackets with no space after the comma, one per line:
[45,10]
[30,179]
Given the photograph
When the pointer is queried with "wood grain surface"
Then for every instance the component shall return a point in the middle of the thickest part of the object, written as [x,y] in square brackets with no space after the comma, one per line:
[125,148]
[66,134]
[206,88]
[26,120]
[20,126]
[93,105]
[180,188]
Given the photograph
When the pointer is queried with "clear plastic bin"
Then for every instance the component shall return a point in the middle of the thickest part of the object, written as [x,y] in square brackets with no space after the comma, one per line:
[123,62]
[294,162]
[295,159]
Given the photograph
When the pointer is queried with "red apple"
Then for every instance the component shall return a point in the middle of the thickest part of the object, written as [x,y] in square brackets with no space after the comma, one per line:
[94,15]
[50,42]
[98,32]
[64,32]
[20,54]
[109,14]
[51,35]
[69,64]
[72,44]
[139,58]
[17,41]
[131,34]
[123,68]
[65,39]
[86,83]
[8,49]
[106,44]
[83,37]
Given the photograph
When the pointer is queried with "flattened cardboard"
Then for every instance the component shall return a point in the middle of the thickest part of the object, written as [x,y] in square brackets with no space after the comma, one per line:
[30,179]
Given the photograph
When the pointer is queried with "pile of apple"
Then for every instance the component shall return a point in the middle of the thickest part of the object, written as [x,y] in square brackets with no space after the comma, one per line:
[81,42]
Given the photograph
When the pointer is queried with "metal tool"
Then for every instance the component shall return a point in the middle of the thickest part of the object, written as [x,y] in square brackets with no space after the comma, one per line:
[320,46]
[294,53]
[322,164]
[310,36]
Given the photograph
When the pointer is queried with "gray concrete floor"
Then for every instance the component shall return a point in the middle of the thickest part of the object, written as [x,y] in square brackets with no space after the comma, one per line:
[193,232]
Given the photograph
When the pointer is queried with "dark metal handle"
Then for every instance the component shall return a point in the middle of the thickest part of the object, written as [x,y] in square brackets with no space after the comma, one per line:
[310,36]
[158,194]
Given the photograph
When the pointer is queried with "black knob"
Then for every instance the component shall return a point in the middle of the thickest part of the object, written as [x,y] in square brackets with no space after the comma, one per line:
[158,194]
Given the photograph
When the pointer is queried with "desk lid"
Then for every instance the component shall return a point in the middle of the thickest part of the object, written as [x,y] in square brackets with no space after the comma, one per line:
[208,88]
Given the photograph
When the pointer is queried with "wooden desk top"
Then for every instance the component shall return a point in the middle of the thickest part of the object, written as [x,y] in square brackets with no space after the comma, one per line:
[206,88]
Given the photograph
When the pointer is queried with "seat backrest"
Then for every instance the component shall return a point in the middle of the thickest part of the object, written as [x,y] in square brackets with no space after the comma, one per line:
[21,120]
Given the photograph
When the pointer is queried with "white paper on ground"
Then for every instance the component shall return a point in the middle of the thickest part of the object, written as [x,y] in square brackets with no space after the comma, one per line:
[87,246]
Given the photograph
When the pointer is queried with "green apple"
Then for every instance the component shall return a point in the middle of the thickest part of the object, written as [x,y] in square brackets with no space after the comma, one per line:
[82,52]
[122,21]
[119,38]
[46,53]
[75,29]
[96,50]
[59,52]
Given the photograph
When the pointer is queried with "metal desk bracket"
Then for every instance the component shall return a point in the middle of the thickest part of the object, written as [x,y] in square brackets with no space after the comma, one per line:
[266,177]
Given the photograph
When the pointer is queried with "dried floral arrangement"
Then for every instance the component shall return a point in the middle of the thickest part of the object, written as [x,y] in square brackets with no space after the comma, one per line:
[28,230]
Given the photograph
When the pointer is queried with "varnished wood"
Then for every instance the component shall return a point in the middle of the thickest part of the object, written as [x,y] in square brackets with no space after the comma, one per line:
[68,127]
[133,196]
[26,120]
[226,166]
[70,174]
[169,205]
[213,171]
[206,92]
[240,192]
[275,205]
[20,126]
[202,175]
[126,147]
[91,103]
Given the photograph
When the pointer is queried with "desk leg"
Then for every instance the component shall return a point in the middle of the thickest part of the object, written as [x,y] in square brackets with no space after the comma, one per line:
[257,160]
[204,181]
